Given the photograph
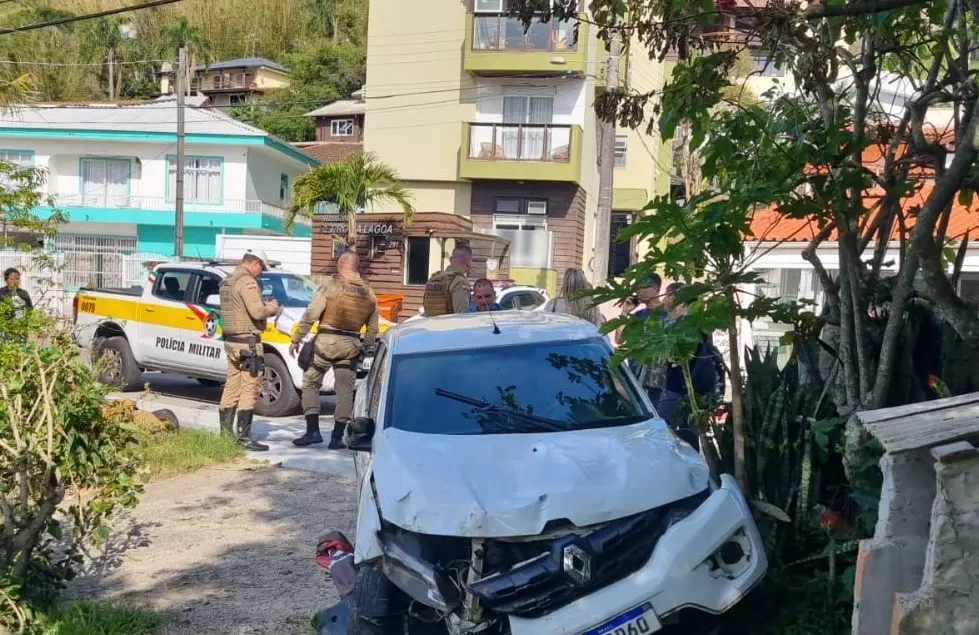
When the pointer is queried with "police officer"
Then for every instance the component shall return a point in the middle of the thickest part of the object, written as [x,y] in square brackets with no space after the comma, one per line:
[342,305]
[448,291]
[244,315]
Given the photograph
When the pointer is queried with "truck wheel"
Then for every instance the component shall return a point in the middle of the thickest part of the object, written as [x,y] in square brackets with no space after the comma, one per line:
[115,363]
[277,396]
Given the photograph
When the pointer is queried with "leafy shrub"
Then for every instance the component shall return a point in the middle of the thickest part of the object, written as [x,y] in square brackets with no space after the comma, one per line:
[65,465]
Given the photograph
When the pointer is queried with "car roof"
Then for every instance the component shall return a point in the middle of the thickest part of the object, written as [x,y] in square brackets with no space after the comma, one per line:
[205,266]
[469,331]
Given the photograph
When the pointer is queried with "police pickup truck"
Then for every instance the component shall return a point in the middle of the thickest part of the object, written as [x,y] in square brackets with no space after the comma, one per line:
[173,324]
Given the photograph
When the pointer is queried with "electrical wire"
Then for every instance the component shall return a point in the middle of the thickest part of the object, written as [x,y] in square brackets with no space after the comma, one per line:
[88,16]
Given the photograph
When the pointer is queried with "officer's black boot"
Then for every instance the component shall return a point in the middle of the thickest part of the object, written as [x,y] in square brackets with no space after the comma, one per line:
[227,418]
[336,438]
[245,432]
[312,432]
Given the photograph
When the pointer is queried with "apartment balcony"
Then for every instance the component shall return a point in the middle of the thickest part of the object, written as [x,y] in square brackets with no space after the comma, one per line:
[496,44]
[158,210]
[521,152]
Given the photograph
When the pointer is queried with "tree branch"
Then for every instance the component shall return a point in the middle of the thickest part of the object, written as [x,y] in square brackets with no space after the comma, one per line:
[924,251]
[856,7]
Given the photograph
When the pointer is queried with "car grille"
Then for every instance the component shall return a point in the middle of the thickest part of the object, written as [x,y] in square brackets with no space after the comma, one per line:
[618,549]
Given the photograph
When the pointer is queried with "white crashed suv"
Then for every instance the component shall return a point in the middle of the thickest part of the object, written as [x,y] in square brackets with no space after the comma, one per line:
[512,480]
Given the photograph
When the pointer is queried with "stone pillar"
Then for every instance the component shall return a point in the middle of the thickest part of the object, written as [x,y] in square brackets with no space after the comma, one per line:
[948,601]
[892,561]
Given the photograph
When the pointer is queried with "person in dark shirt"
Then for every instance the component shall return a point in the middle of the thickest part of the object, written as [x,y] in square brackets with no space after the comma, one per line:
[11,292]
[484,297]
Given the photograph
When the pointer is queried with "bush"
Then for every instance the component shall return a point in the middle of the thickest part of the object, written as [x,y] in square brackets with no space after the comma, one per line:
[66,464]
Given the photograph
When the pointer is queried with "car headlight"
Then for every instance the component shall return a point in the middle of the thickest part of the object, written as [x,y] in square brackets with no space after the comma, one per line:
[420,580]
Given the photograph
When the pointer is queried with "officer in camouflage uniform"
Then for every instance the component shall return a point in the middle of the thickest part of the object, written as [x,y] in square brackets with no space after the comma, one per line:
[342,305]
[244,315]
[448,291]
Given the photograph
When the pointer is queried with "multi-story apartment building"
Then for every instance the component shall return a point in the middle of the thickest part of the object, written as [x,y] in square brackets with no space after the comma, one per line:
[495,124]
[112,170]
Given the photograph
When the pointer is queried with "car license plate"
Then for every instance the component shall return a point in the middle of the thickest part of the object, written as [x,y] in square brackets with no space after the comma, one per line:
[638,621]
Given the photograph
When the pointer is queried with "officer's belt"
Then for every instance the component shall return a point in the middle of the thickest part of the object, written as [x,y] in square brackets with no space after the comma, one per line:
[333,331]
[248,338]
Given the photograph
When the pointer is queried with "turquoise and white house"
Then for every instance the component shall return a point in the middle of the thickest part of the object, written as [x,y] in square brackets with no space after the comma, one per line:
[112,169]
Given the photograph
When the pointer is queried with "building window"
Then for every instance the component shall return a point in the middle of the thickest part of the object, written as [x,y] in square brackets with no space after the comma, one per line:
[508,205]
[105,182]
[621,148]
[342,128]
[513,205]
[417,258]
[20,159]
[283,186]
[531,245]
[538,208]
[764,65]
[783,284]
[240,80]
[195,83]
[202,179]
[238,100]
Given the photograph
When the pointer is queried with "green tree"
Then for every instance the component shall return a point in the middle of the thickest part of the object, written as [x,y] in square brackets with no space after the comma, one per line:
[181,33]
[103,37]
[353,186]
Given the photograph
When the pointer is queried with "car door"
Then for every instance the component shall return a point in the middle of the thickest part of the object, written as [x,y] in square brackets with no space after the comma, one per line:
[166,319]
[205,342]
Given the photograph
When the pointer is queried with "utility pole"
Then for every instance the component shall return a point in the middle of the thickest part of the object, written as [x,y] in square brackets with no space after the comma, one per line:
[606,166]
[178,195]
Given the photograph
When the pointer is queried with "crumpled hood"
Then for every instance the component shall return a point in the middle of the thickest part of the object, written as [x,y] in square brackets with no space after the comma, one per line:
[509,485]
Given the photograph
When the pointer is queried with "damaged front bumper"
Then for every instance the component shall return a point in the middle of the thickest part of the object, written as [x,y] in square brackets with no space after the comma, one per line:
[707,561]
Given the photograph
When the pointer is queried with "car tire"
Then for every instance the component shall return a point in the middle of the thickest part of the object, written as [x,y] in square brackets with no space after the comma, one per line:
[277,396]
[210,383]
[377,607]
[124,373]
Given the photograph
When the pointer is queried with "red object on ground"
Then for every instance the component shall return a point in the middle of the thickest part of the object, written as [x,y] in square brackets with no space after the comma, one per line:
[335,554]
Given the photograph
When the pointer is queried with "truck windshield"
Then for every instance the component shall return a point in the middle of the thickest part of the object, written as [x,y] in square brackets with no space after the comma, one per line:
[547,387]
[289,289]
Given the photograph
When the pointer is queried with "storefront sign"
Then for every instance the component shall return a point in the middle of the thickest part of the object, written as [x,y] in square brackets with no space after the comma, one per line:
[336,225]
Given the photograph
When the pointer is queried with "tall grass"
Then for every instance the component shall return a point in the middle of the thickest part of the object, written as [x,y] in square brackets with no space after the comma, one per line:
[96,618]
[186,450]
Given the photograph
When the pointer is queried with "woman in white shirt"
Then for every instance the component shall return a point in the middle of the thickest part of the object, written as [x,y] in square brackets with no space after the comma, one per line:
[571,302]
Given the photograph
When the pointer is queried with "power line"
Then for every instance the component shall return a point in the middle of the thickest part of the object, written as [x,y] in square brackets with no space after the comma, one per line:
[87,16]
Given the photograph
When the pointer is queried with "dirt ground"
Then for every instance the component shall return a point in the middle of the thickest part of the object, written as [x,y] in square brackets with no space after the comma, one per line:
[228,550]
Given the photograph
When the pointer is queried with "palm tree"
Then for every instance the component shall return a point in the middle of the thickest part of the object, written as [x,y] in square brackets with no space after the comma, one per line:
[103,37]
[181,33]
[352,185]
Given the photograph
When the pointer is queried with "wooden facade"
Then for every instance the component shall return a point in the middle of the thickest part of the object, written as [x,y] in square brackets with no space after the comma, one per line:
[565,215]
[382,244]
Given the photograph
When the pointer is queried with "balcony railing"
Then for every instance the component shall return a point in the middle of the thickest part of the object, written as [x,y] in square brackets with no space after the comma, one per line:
[158,203]
[499,32]
[520,142]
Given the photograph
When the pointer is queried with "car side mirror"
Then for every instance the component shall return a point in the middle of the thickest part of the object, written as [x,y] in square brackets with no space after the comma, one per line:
[360,432]
[213,300]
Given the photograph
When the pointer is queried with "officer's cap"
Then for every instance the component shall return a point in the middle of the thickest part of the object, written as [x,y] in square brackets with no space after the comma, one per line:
[260,254]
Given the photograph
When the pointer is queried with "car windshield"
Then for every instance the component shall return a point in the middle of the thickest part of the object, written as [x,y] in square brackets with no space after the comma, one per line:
[547,387]
[289,289]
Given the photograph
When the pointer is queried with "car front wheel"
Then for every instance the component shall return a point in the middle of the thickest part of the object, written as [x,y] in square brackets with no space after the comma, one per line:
[277,396]
[378,607]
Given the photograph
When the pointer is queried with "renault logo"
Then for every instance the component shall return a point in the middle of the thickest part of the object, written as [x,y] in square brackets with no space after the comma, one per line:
[577,564]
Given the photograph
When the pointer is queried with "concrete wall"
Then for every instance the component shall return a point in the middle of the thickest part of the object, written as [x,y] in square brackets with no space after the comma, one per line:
[417,93]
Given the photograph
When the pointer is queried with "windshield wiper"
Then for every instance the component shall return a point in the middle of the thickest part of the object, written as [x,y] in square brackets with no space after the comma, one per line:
[554,425]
